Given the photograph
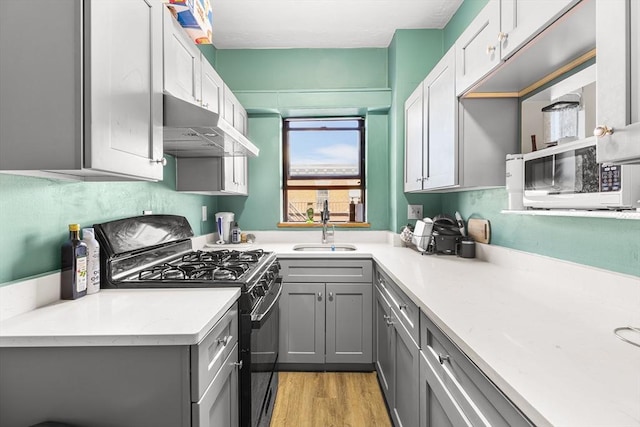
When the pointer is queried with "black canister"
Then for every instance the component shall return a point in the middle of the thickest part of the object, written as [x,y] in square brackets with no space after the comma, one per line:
[466,248]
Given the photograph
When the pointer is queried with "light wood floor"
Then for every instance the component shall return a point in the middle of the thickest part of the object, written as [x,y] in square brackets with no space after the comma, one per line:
[329,399]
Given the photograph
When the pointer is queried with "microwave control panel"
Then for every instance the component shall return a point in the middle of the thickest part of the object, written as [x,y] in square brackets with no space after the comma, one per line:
[610,178]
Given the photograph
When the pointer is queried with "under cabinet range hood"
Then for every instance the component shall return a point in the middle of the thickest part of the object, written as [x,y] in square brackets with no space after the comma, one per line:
[193,131]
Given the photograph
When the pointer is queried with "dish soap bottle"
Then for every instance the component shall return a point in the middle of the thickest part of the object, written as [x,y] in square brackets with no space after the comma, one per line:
[93,260]
[236,233]
[73,275]
[309,213]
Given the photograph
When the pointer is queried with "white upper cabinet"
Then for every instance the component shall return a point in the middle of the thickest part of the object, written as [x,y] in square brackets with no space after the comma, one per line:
[89,105]
[234,113]
[182,69]
[477,48]
[521,20]
[413,146]
[431,121]
[212,87]
[441,136]
[618,85]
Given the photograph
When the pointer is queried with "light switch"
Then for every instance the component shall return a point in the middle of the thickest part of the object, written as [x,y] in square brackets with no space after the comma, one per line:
[414,212]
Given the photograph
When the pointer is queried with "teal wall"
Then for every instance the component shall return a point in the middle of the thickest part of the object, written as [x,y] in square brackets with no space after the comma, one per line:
[412,54]
[302,69]
[277,83]
[35,214]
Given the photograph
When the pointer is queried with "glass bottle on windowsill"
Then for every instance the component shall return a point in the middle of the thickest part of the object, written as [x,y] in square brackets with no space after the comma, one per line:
[352,211]
[309,213]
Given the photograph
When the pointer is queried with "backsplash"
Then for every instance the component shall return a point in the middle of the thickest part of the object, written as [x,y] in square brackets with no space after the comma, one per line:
[35,213]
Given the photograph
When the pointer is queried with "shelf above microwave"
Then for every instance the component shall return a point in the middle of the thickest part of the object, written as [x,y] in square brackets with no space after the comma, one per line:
[566,44]
[632,215]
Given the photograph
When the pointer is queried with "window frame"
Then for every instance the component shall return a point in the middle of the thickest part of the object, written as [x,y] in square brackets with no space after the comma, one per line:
[285,160]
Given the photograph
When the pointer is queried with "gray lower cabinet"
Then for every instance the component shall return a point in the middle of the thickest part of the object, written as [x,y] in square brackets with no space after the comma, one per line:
[123,386]
[326,313]
[453,391]
[397,364]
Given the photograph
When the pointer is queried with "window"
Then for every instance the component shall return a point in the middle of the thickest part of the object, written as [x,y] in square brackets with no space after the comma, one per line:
[323,160]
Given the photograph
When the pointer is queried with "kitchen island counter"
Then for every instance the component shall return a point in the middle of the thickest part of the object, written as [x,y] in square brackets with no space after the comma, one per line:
[541,329]
[121,317]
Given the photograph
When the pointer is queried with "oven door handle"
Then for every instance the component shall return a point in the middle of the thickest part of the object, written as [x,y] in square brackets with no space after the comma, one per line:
[262,318]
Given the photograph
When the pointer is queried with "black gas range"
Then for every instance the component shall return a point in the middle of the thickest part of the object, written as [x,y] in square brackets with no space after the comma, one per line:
[155,251]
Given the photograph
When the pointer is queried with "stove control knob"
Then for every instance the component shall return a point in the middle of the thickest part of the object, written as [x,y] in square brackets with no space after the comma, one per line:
[260,290]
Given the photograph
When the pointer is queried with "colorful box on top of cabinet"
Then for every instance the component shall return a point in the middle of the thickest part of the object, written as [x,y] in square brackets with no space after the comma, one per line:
[196,17]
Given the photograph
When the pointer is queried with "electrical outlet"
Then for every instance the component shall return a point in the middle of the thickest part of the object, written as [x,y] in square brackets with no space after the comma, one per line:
[414,212]
[147,212]
[204,213]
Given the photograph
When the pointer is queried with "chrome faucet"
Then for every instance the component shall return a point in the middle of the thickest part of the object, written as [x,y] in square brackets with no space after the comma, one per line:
[327,235]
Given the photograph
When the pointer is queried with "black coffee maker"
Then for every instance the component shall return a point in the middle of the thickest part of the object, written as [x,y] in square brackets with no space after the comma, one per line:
[446,235]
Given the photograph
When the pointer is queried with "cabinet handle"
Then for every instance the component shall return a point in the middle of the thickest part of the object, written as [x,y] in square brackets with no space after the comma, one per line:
[206,105]
[419,179]
[162,161]
[443,358]
[502,36]
[330,296]
[602,130]
[403,306]
[386,317]
[224,340]
[491,50]
[388,322]
[319,296]
[238,364]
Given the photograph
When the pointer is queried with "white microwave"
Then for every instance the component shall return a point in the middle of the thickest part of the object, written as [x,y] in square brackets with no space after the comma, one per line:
[567,176]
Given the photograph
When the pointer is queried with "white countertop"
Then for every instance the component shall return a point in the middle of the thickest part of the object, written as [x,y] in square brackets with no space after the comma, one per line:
[540,329]
[117,317]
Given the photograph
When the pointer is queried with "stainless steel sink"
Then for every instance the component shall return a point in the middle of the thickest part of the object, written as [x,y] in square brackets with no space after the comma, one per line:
[324,247]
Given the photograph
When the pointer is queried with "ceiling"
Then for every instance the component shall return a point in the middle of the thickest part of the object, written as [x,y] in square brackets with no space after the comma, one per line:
[270,24]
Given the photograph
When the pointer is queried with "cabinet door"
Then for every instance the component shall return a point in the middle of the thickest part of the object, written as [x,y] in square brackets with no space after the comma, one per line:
[240,118]
[618,86]
[437,407]
[348,328]
[229,111]
[384,346]
[212,86]
[521,20]
[123,115]
[181,62]
[302,314]
[477,48]
[406,367]
[440,124]
[240,172]
[413,140]
[219,405]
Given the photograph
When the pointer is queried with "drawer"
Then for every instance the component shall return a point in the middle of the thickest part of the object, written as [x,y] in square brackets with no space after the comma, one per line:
[479,398]
[218,406]
[406,311]
[326,270]
[208,356]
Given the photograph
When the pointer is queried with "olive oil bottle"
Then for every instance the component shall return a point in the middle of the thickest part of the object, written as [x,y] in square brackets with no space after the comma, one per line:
[73,277]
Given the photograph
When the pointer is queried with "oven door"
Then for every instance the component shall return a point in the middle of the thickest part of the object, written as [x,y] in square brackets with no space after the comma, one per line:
[265,322]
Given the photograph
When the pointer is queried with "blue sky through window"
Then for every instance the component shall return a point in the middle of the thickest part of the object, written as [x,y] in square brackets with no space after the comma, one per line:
[324,147]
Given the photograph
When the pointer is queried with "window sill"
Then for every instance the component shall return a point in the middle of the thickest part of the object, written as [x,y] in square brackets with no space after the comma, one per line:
[319,225]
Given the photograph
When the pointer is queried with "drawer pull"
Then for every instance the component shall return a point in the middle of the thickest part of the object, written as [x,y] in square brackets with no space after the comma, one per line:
[238,364]
[403,306]
[224,341]
[443,358]
[388,321]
